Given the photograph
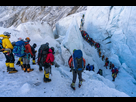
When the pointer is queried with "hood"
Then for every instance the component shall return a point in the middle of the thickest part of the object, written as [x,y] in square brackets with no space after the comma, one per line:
[50,51]
[4,36]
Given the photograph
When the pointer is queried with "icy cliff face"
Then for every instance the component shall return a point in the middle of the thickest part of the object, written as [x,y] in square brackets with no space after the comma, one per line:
[15,15]
[117,24]
[113,27]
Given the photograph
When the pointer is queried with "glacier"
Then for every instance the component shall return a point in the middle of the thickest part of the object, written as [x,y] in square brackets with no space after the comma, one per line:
[108,25]
[115,23]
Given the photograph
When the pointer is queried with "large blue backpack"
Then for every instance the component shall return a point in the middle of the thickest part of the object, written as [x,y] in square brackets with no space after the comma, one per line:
[91,68]
[19,49]
[1,45]
[78,60]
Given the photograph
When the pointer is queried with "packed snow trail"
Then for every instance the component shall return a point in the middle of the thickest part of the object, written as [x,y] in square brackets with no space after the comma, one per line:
[95,54]
[31,84]
[23,84]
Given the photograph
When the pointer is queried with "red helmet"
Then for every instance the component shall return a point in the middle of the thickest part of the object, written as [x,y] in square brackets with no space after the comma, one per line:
[20,39]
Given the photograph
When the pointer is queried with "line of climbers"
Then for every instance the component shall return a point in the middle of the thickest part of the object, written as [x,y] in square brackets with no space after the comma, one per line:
[25,51]
[97,45]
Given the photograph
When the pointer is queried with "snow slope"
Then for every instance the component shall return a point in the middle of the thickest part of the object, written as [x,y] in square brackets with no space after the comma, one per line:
[106,27]
[106,22]
[31,84]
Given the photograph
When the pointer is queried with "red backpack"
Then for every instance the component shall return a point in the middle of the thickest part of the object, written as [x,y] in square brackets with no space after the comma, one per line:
[50,57]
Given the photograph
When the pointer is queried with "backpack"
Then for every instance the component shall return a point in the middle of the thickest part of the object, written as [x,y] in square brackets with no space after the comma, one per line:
[78,60]
[91,68]
[69,58]
[19,49]
[87,67]
[50,57]
[100,72]
[1,47]
[115,70]
[42,54]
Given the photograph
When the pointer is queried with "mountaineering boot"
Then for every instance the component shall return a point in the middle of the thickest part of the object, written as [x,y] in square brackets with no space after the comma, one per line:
[46,77]
[73,86]
[80,83]
[28,68]
[7,68]
[24,67]
[12,69]
[19,61]
[40,69]
[33,62]
[7,64]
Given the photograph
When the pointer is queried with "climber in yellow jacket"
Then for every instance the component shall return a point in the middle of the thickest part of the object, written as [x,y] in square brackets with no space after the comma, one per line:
[8,52]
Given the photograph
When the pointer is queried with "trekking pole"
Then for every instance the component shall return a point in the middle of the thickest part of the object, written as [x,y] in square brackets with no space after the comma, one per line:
[50,71]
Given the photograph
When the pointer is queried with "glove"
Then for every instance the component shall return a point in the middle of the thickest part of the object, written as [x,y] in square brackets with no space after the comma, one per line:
[71,68]
[52,63]
[32,56]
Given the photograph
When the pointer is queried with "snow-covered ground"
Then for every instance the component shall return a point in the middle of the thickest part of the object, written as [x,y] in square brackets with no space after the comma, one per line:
[69,38]
[31,84]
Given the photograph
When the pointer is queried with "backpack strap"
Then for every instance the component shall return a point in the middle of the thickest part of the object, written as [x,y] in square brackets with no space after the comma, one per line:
[40,56]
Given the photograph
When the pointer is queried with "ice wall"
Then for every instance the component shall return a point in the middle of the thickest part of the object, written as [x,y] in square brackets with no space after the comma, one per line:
[117,24]
[73,39]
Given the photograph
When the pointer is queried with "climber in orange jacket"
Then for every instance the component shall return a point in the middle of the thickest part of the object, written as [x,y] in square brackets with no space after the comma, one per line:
[70,62]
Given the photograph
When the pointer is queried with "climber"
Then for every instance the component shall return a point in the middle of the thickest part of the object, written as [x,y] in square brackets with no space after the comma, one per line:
[43,50]
[91,68]
[77,68]
[102,57]
[106,62]
[97,45]
[87,67]
[84,34]
[47,67]
[114,73]
[26,58]
[34,53]
[90,41]
[7,51]
[100,72]
[100,54]
[53,52]
[20,60]
[93,42]
[82,22]
[111,65]
[86,37]
[99,51]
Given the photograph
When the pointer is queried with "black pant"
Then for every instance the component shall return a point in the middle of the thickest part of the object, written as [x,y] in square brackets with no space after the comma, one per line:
[9,57]
[75,76]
